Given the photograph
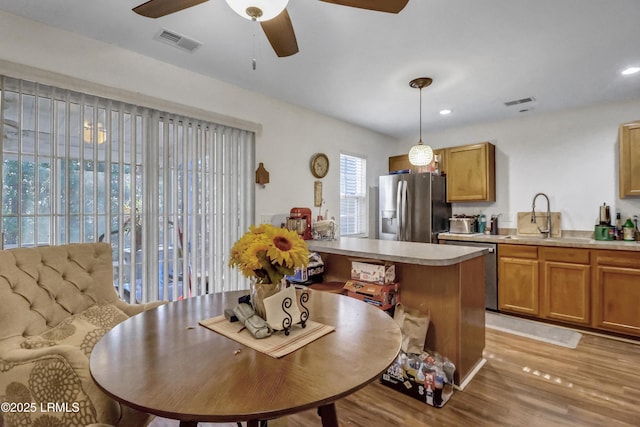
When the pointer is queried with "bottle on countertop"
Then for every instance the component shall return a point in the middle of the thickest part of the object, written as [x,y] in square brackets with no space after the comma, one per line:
[629,230]
[482,223]
[617,232]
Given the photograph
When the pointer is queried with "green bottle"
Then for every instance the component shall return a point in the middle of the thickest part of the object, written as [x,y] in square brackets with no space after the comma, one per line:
[629,230]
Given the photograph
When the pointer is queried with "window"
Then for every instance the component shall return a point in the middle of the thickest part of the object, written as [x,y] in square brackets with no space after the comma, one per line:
[80,168]
[353,195]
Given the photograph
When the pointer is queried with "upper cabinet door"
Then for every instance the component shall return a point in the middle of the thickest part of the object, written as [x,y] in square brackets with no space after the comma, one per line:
[471,173]
[630,159]
[401,162]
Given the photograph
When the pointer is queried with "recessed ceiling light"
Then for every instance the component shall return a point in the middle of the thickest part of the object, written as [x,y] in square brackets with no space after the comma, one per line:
[630,70]
[445,112]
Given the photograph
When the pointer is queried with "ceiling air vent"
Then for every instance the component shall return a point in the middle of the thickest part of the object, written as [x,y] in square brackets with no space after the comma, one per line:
[178,40]
[519,101]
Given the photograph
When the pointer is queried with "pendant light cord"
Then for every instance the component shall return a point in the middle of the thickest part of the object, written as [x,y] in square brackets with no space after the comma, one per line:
[420,114]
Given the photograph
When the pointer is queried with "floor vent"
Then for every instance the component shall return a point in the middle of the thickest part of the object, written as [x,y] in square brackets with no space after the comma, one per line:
[178,40]
[519,101]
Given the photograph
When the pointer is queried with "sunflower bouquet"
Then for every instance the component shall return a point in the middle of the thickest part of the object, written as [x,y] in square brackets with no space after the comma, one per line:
[269,253]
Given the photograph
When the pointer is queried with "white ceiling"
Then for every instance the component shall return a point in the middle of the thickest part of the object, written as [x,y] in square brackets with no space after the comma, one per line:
[356,64]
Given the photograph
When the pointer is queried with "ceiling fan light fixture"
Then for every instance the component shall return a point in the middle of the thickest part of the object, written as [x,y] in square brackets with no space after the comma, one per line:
[258,10]
[420,154]
[87,134]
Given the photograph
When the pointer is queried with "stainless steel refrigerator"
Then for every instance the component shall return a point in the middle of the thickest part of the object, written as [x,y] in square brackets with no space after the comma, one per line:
[412,207]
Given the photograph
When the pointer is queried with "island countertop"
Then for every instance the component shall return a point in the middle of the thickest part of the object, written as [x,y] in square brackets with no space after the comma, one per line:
[395,251]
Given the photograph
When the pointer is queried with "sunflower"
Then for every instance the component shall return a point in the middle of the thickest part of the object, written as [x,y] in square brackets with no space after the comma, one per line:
[287,248]
[269,253]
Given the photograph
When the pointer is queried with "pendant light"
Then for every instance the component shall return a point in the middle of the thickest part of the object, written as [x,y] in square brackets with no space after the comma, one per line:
[420,154]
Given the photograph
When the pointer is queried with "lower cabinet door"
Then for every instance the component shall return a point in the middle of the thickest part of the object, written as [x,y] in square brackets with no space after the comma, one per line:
[518,289]
[617,299]
[566,292]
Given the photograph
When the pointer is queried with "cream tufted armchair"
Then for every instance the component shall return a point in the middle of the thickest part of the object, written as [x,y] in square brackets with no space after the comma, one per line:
[56,302]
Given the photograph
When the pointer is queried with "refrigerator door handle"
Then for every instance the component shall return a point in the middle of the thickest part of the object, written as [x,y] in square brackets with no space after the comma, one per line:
[399,210]
[403,233]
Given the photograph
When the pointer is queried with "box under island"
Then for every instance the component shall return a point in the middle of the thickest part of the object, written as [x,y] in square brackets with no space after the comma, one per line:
[443,280]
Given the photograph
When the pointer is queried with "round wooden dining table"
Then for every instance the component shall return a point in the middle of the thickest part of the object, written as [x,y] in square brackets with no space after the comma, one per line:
[163,362]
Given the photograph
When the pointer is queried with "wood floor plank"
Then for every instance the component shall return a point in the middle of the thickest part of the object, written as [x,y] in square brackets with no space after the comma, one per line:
[524,383]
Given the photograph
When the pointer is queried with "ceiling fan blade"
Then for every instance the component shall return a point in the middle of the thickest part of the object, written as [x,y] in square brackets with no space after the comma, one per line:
[279,31]
[158,8]
[391,6]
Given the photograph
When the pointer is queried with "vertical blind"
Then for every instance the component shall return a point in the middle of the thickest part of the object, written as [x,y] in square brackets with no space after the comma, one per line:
[170,193]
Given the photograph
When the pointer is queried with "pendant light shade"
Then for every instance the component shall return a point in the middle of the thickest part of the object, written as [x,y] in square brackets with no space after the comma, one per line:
[258,10]
[420,154]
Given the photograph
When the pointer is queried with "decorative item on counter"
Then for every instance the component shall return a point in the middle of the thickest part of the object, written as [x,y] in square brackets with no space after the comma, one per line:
[266,254]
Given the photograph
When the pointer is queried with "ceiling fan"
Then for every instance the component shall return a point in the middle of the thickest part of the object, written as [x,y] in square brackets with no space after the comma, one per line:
[272,15]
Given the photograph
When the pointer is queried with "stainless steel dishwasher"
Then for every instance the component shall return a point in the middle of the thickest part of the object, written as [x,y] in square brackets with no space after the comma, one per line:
[490,270]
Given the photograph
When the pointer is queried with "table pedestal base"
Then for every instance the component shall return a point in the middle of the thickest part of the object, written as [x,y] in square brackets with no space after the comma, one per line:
[327,413]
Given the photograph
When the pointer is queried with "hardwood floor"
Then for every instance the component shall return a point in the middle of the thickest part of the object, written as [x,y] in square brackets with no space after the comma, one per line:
[524,383]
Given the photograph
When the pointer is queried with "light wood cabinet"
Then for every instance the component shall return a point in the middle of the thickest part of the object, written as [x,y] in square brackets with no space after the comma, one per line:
[401,162]
[471,173]
[518,284]
[629,173]
[616,291]
[442,163]
[565,284]
[586,287]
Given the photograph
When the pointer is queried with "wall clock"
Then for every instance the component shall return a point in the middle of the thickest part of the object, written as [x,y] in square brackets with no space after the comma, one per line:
[319,165]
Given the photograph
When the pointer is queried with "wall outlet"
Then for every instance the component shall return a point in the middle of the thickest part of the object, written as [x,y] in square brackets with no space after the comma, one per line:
[265,218]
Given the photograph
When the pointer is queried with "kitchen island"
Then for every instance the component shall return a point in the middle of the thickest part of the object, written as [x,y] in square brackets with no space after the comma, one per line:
[445,281]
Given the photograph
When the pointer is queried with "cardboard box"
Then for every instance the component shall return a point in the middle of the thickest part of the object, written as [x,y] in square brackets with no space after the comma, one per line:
[382,273]
[422,380]
[384,297]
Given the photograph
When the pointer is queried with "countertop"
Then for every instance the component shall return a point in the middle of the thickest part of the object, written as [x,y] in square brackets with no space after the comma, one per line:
[567,242]
[391,250]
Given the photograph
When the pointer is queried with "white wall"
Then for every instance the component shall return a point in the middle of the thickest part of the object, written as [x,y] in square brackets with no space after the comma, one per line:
[289,135]
[572,156]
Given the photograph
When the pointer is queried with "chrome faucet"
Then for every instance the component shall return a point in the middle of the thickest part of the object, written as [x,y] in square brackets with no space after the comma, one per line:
[546,232]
